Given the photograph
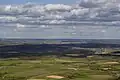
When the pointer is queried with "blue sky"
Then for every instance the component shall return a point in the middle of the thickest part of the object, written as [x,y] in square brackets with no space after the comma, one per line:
[36,1]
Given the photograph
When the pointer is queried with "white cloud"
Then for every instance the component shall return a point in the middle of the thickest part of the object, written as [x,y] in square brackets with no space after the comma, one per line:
[107,11]
[57,7]
[20,25]
[87,13]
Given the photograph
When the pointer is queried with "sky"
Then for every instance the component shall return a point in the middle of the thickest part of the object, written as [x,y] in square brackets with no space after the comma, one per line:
[88,19]
[37,1]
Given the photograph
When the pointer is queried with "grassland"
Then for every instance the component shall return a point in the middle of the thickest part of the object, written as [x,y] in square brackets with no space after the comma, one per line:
[62,68]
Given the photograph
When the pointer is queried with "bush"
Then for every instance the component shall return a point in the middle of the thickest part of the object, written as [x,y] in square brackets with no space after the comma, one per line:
[13,78]
[73,75]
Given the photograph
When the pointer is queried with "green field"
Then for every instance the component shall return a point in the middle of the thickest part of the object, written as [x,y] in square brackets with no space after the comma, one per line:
[40,68]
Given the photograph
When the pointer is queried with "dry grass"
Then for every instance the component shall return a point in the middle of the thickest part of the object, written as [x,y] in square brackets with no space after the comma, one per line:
[55,77]
[111,63]
[36,79]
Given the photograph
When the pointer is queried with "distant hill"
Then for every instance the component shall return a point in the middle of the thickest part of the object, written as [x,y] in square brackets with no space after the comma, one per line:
[45,49]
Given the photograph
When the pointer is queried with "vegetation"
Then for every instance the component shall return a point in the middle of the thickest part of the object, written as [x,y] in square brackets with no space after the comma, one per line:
[30,68]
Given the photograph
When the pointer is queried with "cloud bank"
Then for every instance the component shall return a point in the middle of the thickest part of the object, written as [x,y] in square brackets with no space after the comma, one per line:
[67,18]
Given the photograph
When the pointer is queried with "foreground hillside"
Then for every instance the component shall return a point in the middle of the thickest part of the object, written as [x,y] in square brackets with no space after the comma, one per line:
[63,68]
